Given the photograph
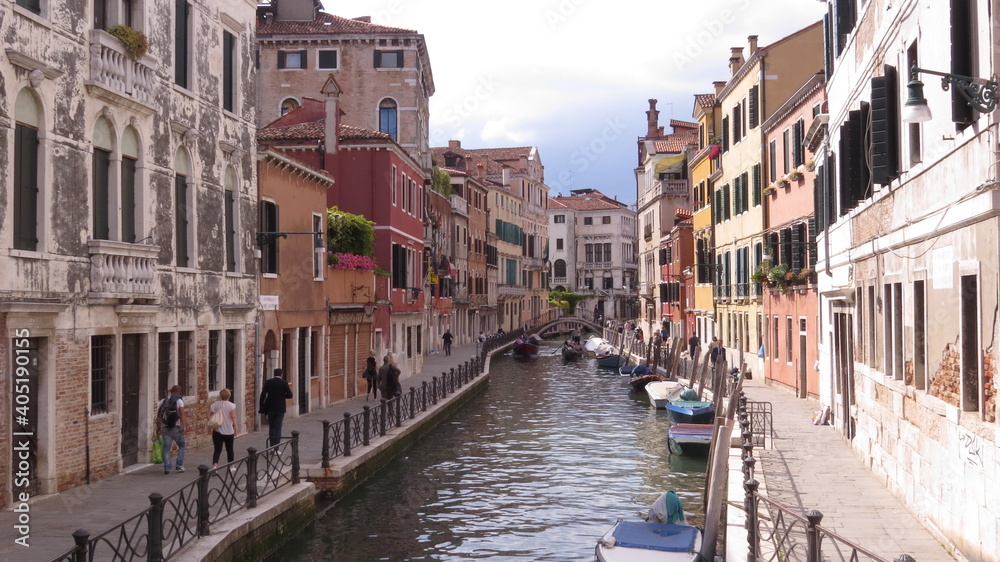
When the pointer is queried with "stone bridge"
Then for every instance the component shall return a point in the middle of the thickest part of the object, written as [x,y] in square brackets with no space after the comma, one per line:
[566,325]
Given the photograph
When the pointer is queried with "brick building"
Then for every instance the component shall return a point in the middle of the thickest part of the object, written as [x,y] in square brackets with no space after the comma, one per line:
[126,255]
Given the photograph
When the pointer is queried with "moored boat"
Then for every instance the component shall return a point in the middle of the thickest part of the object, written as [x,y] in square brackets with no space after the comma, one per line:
[611,360]
[641,541]
[595,342]
[690,438]
[662,392]
[691,411]
[639,383]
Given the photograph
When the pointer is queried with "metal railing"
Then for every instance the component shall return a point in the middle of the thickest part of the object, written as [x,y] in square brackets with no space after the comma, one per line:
[776,532]
[341,437]
[171,522]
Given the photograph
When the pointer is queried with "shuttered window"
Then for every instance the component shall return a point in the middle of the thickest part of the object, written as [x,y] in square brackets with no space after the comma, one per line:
[25,187]
[963,57]
[737,121]
[725,134]
[181,44]
[845,13]
[327,60]
[389,59]
[812,244]
[101,163]
[128,199]
[230,210]
[754,116]
[269,223]
[31,5]
[885,127]
[756,185]
[798,150]
[786,247]
[228,54]
[181,220]
[773,160]
[726,201]
[293,59]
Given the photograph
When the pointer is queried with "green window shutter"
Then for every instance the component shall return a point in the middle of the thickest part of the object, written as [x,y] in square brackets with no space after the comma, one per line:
[128,200]
[756,185]
[726,201]
[796,249]
[181,221]
[228,46]
[230,211]
[812,244]
[885,127]
[399,58]
[754,110]
[25,188]
[725,134]
[798,154]
[281,59]
[101,162]
[181,43]
[305,58]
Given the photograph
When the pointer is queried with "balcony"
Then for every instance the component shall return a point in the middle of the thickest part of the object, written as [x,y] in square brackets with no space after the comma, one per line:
[122,270]
[511,291]
[533,264]
[459,205]
[559,280]
[597,265]
[647,232]
[674,187]
[117,79]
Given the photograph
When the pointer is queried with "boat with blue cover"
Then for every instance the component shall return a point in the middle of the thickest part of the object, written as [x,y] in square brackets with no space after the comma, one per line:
[691,411]
[611,360]
[642,541]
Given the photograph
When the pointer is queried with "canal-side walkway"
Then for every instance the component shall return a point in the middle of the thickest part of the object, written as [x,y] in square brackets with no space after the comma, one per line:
[813,467]
[105,503]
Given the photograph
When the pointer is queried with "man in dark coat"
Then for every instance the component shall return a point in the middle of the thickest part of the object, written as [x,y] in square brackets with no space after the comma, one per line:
[694,342]
[272,403]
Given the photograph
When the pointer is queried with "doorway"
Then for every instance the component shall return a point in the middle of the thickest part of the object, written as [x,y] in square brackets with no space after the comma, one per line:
[131,377]
[27,368]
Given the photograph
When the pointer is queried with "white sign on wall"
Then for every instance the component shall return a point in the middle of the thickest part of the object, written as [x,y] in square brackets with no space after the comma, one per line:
[943,267]
[269,302]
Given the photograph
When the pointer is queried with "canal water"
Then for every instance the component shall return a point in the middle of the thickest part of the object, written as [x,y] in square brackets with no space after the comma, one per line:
[537,467]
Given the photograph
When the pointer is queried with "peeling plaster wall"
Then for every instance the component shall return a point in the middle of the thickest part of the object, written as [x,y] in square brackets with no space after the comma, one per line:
[53,292]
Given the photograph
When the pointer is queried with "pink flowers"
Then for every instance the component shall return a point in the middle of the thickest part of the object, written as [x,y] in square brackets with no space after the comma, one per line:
[349,261]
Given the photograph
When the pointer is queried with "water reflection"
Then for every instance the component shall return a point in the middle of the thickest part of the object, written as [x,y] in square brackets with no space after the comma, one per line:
[535,468]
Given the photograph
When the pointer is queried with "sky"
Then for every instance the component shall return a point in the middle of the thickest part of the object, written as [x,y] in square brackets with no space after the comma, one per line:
[572,77]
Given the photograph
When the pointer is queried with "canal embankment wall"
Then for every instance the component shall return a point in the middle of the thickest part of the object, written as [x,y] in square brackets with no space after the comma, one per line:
[255,533]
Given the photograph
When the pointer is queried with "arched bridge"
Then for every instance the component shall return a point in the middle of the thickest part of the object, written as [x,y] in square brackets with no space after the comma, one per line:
[565,325]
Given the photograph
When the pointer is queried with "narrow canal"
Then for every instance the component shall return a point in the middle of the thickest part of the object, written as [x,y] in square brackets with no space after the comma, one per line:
[536,467]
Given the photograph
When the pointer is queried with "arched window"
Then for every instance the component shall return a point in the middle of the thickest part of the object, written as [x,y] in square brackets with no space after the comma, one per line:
[104,144]
[387,117]
[182,209]
[26,189]
[559,268]
[288,104]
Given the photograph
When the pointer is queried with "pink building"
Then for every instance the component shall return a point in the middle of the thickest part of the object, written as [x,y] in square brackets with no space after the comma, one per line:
[790,326]
[376,178]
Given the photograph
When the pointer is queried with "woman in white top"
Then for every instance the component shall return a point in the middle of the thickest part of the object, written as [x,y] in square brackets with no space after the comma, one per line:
[227,433]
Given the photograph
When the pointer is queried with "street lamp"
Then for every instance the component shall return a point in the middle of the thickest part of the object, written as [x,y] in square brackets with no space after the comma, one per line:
[979,93]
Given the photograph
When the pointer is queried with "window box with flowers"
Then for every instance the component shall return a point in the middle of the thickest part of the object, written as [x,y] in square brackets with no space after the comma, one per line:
[133,41]
[811,165]
[776,276]
[795,175]
[770,190]
[784,182]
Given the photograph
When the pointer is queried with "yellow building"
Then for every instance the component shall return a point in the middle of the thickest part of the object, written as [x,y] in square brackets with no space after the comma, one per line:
[758,85]
[705,167]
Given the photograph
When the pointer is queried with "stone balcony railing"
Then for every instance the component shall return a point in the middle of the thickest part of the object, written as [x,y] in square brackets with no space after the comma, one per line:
[675,187]
[117,78]
[511,291]
[122,270]
[459,205]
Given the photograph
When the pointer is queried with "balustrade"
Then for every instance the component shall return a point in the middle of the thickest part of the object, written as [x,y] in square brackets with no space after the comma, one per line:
[120,268]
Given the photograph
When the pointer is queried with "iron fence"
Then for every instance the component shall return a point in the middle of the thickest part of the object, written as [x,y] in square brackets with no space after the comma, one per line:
[171,522]
[341,437]
[776,532]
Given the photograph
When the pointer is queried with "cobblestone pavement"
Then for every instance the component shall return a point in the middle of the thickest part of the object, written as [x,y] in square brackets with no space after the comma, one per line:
[105,503]
[813,467]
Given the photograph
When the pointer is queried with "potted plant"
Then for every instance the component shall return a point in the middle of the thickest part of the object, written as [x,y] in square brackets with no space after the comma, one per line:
[783,182]
[134,41]
[795,175]
[770,190]
[776,276]
[806,275]
[760,274]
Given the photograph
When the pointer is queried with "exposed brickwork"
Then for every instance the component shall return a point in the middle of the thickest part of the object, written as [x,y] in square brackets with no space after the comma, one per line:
[908,373]
[989,387]
[946,382]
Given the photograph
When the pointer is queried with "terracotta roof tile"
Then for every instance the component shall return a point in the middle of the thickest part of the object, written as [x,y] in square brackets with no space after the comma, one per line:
[704,100]
[595,201]
[326,24]
[316,130]
[676,142]
[675,123]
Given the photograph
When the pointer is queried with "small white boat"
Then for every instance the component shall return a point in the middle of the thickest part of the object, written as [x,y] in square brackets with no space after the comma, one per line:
[593,343]
[641,541]
[662,393]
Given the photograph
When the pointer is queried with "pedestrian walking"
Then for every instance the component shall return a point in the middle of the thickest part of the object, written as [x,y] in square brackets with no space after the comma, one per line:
[693,343]
[226,433]
[718,352]
[370,375]
[395,389]
[383,378]
[447,337]
[272,403]
[482,336]
[170,413]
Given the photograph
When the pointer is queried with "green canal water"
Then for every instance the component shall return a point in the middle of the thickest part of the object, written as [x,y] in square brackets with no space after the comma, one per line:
[537,467]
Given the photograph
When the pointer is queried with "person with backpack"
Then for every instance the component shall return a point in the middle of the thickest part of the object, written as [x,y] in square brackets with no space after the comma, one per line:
[272,403]
[171,418]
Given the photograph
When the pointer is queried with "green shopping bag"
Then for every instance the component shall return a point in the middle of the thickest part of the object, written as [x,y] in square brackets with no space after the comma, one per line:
[157,456]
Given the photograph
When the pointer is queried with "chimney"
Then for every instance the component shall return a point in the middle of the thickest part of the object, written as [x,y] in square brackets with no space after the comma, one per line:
[454,144]
[735,60]
[332,122]
[719,86]
[652,118]
[753,44]
[506,176]
[365,19]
